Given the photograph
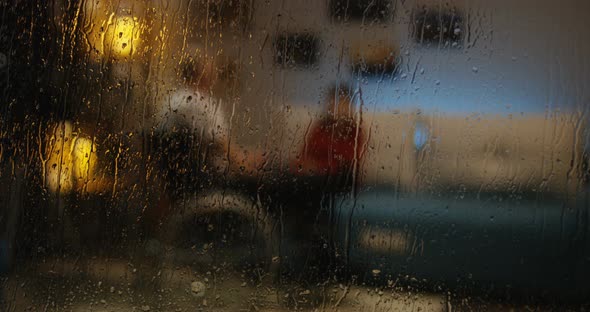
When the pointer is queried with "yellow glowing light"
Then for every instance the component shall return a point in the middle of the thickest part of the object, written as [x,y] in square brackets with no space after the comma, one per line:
[124,36]
[116,36]
[83,160]
[57,172]
[71,159]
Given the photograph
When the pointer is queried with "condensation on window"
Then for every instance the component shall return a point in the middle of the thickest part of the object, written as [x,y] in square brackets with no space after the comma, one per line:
[257,155]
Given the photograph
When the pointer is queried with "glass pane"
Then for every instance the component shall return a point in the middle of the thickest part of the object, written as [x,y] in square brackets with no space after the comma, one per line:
[345,155]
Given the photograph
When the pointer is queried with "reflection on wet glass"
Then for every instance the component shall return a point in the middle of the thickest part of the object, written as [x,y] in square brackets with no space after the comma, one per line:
[344,155]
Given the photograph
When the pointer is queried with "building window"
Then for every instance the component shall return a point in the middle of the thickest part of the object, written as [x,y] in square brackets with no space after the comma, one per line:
[367,11]
[296,50]
[233,14]
[432,26]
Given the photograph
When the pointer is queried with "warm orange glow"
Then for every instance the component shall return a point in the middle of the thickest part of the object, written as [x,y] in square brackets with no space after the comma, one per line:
[123,36]
[71,160]
[115,36]
[57,171]
[114,28]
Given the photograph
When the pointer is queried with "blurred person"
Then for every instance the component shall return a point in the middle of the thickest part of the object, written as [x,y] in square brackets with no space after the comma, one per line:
[335,144]
[198,202]
[193,138]
[328,168]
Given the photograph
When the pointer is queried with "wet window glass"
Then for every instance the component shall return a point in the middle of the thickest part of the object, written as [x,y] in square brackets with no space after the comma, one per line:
[325,155]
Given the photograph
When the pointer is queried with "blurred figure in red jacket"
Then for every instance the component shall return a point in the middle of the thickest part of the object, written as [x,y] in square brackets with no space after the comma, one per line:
[335,144]
[330,161]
